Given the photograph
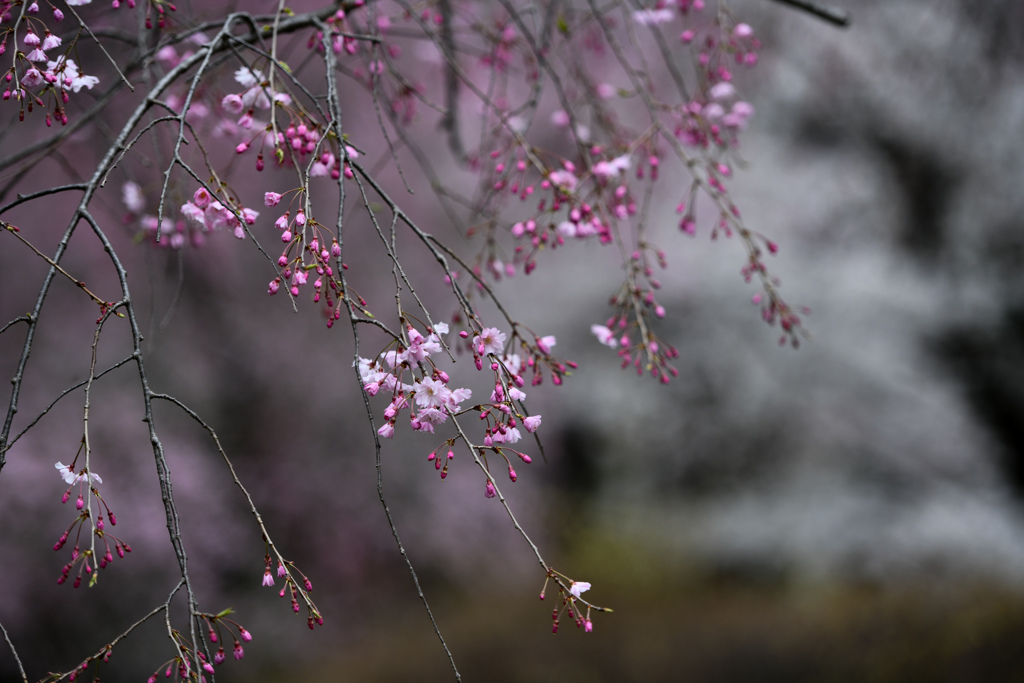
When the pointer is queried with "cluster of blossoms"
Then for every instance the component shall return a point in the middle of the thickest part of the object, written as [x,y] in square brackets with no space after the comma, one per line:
[306,238]
[593,197]
[206,214]
[429,399]
[180,667]
[57,77]
[88,559]
[202,215]
[292,587]
[301,141]
[569,606]
[432,401]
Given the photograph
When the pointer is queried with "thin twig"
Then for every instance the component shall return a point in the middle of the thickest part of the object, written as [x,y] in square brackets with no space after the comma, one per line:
[15,653]
[832,15]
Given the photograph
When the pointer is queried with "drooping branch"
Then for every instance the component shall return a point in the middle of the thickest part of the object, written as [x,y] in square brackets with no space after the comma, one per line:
[832,15]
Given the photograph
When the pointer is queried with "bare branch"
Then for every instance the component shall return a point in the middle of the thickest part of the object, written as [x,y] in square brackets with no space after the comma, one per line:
[832,15]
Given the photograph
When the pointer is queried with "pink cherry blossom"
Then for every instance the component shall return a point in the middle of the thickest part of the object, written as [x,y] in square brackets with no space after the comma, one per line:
[578,587]
[564,179]
[232,104]
[50,41]
[32,78]
[491,340]
[604,335]
[652,17]
[617,166]
[70,477]
[430,393]
[202,198]
[131,195]
[532,423]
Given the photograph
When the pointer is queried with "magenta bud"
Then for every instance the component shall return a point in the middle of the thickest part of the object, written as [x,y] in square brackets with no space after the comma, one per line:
[113,519]
[66,496]
[80,503]
[464,334]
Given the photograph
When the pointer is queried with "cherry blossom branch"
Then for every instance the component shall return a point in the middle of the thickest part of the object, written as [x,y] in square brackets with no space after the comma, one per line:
[54,402]
[476,451]
[103,654]
[387,509]
[313,610]
[830,14]
[78,283]
[334,107]
[14,653]
[99,44]
[22,198]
